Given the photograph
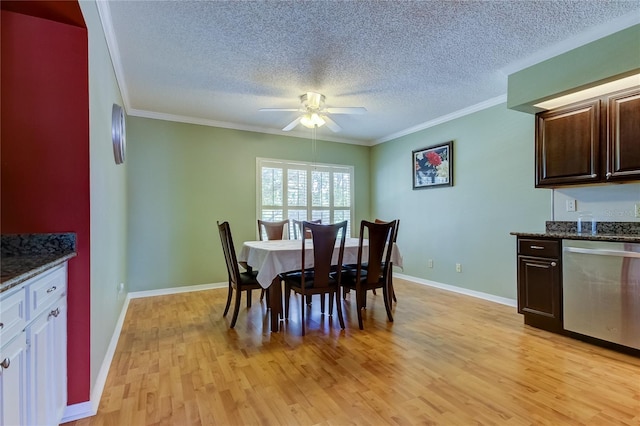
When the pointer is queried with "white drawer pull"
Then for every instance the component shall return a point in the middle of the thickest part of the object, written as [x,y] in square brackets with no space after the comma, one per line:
[51,289]
[537,247]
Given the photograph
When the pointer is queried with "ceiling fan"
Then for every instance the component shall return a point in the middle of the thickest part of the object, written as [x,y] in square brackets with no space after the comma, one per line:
[314,113]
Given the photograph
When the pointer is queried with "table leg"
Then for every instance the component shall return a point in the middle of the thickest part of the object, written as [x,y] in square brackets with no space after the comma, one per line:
[275,302]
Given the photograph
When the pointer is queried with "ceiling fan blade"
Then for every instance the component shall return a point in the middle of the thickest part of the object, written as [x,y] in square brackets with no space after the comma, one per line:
[279,109]
[347,110]
[331,124]
[291,125]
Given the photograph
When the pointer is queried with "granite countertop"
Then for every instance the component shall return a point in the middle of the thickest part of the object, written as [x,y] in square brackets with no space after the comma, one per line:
[625,232]
[27,255]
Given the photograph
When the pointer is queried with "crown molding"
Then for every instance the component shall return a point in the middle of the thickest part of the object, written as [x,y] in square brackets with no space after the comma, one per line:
[443,119]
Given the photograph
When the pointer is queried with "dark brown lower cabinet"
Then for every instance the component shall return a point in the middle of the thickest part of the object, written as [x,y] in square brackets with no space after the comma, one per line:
[540,283]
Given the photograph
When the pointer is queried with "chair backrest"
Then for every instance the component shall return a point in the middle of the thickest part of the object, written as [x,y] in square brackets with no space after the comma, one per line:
[324,242]
[272,230]
[229,252]
[397,221]
[297,227]
[380,236]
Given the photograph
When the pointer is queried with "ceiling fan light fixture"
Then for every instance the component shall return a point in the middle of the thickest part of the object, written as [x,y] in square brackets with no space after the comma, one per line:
[312,120]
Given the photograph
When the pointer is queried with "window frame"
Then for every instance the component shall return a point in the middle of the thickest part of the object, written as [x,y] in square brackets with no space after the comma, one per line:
[286,165]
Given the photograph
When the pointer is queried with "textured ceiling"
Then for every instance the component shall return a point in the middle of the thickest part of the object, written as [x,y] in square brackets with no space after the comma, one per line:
[408,63]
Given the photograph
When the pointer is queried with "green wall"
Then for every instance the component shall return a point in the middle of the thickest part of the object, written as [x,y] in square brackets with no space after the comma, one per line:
[469,223]
[108,197]
[184,177]
[600,61]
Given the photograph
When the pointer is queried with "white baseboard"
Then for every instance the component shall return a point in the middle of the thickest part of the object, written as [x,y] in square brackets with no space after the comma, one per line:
[465,291]
[175,290]
[90,408]
[78,411]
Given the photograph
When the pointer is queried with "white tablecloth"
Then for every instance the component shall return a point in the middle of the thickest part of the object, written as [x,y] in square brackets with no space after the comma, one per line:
[271,258]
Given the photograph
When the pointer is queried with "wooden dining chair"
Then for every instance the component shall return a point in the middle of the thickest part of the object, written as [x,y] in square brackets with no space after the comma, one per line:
[373,271]
[395,237]
[238,281]
[272,230]
[323,278]
[297,227]
[353,266]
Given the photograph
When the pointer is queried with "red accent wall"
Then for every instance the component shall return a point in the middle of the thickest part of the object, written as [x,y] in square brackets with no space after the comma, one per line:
[44,153]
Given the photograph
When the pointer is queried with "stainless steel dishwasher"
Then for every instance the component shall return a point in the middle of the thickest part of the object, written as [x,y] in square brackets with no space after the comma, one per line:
[601,290]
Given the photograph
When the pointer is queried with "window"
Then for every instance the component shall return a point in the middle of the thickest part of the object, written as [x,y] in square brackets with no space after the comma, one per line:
[304,191]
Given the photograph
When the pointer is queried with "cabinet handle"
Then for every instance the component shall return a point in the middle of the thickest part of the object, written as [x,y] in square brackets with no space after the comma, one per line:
[1,325]
[5,363]
[609,174]
[52,289]
[537,247]
[54,313]
[553,263]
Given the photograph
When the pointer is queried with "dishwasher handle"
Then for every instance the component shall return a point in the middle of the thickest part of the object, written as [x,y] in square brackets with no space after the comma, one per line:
[602,252]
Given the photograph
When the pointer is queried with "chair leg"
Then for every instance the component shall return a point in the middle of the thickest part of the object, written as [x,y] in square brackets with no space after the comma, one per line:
[339,308]
[229,295]
[345,291]
[387,302]
[360,305]
[330,295]
[262,293]
[302,309]
[236,308]
[249,292]
[287,297]
[322,303]
[393,292]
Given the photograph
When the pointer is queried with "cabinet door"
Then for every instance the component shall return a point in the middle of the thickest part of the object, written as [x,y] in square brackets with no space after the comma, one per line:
[568,145]
[13,383]
[539,293]
[623,135]
[59,342]
[48,365]
[39,336]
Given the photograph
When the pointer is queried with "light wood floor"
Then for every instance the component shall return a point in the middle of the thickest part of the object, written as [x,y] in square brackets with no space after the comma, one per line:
[447,359]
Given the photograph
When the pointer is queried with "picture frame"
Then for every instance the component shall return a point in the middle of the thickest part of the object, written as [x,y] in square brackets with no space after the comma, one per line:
[433,166]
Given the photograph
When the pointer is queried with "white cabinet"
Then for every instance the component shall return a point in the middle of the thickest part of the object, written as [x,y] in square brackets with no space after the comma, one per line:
[13,382]
[42,359]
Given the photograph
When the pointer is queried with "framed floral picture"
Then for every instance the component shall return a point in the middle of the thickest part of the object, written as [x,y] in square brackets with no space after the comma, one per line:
[433,166]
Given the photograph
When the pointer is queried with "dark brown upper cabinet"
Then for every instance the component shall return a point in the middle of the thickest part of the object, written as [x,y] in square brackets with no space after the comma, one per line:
[623,135]
[592,141]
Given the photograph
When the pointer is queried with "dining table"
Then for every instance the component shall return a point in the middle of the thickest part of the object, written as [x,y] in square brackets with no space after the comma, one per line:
[272,258]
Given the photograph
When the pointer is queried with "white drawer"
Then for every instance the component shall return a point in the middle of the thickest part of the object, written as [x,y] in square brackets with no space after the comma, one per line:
[45,289]
[12,315]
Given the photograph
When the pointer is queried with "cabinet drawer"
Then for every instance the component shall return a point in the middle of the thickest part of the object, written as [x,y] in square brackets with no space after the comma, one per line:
[12,315]
[45,289]
[539,247]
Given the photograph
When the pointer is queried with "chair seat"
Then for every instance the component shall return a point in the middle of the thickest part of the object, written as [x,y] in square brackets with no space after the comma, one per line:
[295,278]
[350,275]
[249,279]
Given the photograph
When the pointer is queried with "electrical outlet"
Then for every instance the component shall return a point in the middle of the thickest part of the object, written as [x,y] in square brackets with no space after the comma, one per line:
[458,267]
[571,205]
[430,263]
[637,210]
